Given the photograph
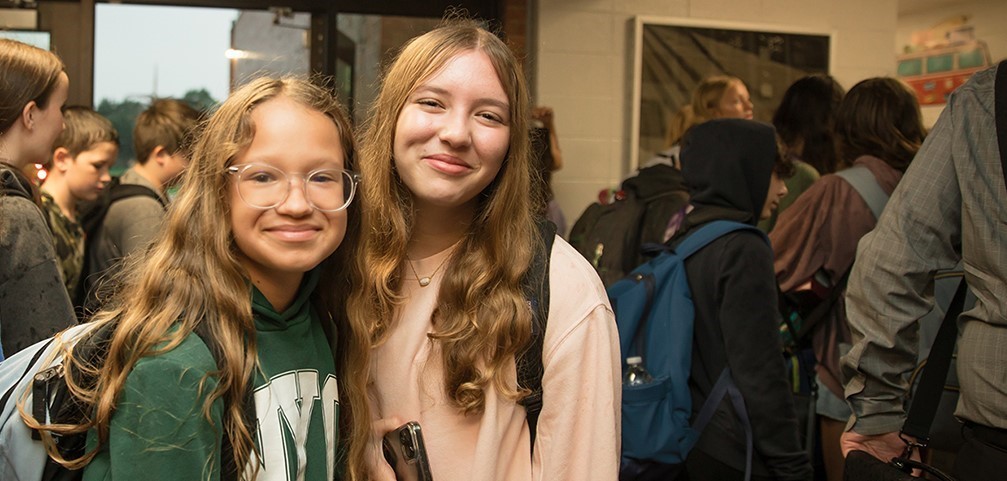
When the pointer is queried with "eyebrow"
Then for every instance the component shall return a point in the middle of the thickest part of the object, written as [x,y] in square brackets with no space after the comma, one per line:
[482,100]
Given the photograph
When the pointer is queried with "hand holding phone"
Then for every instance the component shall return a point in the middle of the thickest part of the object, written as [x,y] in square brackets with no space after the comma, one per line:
[406,453]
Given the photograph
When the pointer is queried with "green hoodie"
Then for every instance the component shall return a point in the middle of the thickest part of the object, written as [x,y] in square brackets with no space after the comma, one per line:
[158,430]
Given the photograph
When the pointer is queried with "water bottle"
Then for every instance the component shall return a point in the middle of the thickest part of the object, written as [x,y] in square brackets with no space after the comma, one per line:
[636,375]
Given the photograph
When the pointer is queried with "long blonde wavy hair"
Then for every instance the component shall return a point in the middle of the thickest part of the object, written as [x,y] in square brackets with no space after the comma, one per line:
[482,318]
[190,277]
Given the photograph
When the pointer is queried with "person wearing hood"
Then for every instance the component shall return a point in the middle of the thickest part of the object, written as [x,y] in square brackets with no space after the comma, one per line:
[735,172]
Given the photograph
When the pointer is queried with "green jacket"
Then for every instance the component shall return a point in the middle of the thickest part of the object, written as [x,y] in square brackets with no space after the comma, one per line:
[158,431]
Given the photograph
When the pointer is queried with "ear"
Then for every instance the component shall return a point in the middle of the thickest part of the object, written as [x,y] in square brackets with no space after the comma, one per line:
[28,114]
[61,159]
[160,154]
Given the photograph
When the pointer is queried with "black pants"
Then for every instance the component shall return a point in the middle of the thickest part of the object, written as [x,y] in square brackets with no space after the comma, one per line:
[984,454]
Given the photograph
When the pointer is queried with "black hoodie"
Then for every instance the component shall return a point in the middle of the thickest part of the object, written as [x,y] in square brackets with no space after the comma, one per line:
[728,164]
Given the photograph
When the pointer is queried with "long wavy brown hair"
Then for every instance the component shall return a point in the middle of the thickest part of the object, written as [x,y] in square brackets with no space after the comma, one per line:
[482,318]
[190,277]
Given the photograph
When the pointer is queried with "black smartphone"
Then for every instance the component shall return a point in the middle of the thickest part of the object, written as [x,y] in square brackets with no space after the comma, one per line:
[406,453]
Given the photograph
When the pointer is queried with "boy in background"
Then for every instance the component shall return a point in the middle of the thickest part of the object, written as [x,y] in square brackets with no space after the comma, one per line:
[130,223]
[735,172]
[77,172]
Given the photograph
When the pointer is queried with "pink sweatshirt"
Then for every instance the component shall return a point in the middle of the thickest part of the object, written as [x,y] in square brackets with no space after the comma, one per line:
[578,428]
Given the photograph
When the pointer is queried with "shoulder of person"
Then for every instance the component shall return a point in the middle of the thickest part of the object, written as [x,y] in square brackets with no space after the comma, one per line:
[574,286]
[190,357]
[21,217]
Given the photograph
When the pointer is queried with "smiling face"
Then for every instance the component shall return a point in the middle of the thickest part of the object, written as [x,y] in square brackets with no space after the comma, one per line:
[735,103]
[278,245]
[453,133]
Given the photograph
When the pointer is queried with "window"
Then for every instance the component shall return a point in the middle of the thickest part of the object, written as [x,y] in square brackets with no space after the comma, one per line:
[910,67]
[940,63]
[971,59]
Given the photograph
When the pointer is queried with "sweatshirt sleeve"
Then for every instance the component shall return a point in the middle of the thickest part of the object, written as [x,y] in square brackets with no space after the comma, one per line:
[750,323]
[579,427]
[159,430]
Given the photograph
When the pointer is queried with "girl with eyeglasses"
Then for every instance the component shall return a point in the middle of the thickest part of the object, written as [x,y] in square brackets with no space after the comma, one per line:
[448,236]
[223,360]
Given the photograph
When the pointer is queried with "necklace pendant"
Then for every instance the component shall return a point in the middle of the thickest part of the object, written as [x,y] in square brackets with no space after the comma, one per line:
[424,281]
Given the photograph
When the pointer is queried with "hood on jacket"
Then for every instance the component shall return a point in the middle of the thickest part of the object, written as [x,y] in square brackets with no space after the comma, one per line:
[727,164]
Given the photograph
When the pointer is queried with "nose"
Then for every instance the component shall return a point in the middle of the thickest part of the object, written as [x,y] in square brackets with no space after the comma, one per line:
[296,203]
[454,130]
[783,190]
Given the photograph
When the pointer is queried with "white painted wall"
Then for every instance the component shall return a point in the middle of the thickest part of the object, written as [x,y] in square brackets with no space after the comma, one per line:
[583,61]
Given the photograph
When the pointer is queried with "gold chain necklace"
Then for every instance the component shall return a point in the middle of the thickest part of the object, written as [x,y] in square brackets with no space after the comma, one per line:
[425,281]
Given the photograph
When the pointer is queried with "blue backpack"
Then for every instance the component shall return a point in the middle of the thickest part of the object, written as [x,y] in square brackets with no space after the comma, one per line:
[654,313]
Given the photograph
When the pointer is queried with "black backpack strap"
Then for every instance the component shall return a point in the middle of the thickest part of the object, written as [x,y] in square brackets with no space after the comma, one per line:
[928,393]
[1000,113]
[122,191]
[529,362]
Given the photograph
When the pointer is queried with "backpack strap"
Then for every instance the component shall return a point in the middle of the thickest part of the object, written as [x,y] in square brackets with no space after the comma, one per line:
[864,182]
[1000,113]
[724,386]
[928,393]
[709,232]
[529,362]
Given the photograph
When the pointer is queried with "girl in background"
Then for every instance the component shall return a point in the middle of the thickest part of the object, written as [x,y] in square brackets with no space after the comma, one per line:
[878,128]
[449,236]
[721,97]
[33,302]
[804,121]
[247,268]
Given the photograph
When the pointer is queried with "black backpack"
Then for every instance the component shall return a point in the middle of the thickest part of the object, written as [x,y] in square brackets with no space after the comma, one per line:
[91,216]
[610,236]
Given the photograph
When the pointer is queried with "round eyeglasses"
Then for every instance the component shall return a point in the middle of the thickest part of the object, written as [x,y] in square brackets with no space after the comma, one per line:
[264,187]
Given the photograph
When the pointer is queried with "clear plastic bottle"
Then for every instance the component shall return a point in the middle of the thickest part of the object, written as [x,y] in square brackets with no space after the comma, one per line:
[636,375]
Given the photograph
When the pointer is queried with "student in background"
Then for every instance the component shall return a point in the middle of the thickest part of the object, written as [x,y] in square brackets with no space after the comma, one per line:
[879,128]
[805,121]
[735,172]
[78,172]
[130,224]
[448,237]
[247,267]
[33,300]
[949,209]
[721,97]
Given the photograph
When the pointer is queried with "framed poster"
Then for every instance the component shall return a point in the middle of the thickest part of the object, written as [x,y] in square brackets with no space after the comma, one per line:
[672,55]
